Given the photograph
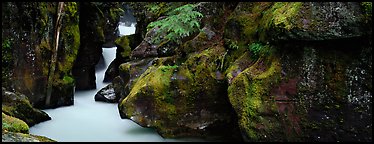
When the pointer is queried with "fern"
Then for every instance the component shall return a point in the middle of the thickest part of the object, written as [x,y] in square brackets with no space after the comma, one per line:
[181,22]
[259,50]
[256,49]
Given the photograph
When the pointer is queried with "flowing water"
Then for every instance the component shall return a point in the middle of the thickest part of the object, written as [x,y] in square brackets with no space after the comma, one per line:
[91,121]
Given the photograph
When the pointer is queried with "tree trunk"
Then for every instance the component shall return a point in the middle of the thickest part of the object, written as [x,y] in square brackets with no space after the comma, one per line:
[54,54]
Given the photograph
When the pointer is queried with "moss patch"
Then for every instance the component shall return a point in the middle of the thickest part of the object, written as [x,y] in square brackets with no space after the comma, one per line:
[13,124]
[124,43]
[249,93]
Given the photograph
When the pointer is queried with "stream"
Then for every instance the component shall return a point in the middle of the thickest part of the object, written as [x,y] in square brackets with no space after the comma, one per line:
[91,121]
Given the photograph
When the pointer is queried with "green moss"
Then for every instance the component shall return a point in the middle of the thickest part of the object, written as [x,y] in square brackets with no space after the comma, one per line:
[158,9]
[171,91]
[43,138]
[367,10]
[13,124]
[71,43]
[281,14]
[115,13]
[367,6]
[124,43]
[68,47]
[68,79]
[6,60]
[157,80]
[249,94]
[71,10]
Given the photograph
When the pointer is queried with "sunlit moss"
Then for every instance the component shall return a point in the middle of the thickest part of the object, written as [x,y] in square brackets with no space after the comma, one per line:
[247,93]
[124,43]
[13,124]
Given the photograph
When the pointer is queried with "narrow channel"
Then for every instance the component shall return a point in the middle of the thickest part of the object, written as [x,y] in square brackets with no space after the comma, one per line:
[91,121]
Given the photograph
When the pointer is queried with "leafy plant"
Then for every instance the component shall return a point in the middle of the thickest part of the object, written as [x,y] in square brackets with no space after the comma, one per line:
[165,68]
[258,49]
[232,44]
[181,22]
[6,51]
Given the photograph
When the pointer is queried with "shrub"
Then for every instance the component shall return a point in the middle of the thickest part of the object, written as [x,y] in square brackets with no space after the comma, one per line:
[180,23]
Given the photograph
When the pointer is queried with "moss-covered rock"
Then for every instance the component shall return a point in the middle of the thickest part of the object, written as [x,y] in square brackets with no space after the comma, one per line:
[184,100]
[16,130]
[21,137]
[18,105]
[249,93]
[13,124]
[125,45]
[29,29]
[312,21]
[316,90]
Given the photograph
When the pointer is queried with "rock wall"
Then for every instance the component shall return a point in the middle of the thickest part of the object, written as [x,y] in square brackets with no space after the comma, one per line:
[291,71]
[28,37]
[98,25]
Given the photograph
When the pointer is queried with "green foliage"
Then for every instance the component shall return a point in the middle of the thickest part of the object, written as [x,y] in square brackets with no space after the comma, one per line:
[124,43]
[115,13]
[232,44]
[367,9]
[166,68]
[255,48]
[68,79]
[367,6]
[71,9]
[155,7]
[161,8]
[180,23]
[6,59]
[13,124]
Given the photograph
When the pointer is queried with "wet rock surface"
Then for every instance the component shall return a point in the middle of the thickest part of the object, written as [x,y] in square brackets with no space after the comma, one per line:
[107,94]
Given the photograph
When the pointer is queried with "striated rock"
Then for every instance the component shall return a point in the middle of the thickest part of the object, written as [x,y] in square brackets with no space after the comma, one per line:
[17,105]
[107,94]
[21,137]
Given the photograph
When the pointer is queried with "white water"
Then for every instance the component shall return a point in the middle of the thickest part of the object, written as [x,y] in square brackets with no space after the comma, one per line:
[91,121]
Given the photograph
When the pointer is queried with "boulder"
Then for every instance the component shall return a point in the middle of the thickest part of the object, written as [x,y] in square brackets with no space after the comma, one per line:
[185,100]
[107,94]
[17,105]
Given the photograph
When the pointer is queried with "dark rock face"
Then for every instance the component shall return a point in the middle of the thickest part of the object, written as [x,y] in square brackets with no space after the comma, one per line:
[290,71]
[145,49]
[304,90]
[107,94]
[125,45]
[315,21]
[18,105]
[28,31]
[98,25]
